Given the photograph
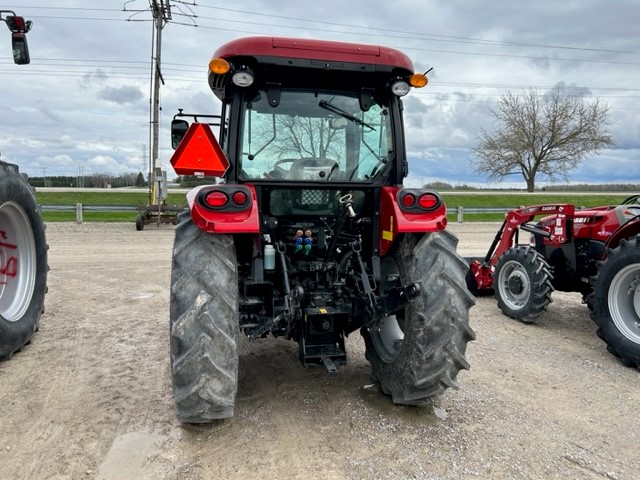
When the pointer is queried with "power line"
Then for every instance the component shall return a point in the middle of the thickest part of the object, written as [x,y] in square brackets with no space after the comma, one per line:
[448,38]
[468,40]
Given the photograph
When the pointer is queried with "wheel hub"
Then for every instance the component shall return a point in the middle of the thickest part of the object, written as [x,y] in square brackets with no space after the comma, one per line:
[515,284]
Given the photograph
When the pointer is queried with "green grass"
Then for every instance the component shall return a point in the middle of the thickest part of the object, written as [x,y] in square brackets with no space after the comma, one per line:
[90,216]
[507,201]
[452,200]
[99,197]
[482,200]
[103,197]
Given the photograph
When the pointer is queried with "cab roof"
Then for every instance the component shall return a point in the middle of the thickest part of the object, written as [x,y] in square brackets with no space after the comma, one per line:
[320,50]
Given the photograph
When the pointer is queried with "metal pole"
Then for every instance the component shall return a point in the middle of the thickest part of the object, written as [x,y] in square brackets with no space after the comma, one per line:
[155,120]
[78,213]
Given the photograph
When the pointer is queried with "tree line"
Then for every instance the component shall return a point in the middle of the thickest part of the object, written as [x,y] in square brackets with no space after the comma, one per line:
[94,180]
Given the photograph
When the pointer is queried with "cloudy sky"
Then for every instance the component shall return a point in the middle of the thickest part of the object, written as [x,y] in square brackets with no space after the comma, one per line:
[83,102]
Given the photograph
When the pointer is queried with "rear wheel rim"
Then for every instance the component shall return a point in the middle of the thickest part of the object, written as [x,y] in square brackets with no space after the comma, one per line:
[17,262]
[388,337]
[624,302]
[514,285]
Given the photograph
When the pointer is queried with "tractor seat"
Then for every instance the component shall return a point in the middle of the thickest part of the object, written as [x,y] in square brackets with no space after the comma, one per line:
[627,212]
[314,169]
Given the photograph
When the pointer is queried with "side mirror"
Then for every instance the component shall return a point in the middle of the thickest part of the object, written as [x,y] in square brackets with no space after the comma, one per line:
[178,129]
[20,48]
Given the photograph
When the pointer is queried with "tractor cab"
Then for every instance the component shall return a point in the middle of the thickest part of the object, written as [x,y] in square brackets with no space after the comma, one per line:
[304,110]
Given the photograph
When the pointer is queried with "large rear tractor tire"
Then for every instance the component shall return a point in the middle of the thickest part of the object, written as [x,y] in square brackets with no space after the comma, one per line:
[204,324]
[617,301]
[23,262]
[417,353]
[522,283]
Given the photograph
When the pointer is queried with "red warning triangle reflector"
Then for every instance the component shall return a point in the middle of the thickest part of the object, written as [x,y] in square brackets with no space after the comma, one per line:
[199,153]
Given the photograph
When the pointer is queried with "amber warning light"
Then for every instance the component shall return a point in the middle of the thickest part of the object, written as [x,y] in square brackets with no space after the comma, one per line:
[199,153]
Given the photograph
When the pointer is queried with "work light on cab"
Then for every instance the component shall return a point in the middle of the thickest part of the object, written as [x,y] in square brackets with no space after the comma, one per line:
[400,88]
[243,77]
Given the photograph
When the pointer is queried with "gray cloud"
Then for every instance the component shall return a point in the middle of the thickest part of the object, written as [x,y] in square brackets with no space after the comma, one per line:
[121,95]
[50,114]
[98,76]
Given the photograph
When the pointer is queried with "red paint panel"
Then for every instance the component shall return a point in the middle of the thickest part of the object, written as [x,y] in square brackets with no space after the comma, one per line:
[314,50]
[394,221]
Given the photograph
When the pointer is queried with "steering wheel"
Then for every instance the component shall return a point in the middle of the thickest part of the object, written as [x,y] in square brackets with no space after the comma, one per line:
[279,171]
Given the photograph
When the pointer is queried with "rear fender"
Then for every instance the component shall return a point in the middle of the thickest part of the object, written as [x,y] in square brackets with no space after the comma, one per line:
[231,217]
[398,217]
[628,230]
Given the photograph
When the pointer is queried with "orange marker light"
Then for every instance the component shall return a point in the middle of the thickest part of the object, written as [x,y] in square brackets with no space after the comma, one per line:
[418,80]
[219,66]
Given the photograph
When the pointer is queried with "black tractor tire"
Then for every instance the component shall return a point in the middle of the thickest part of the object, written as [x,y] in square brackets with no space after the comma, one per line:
[472,284]
[522,283]
[204,324]
[617,301]
[23,262]
[139,222]
[416,354]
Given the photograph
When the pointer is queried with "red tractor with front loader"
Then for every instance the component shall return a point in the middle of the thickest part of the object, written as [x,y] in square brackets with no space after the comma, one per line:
[23,247]
[309,233]
[593,251]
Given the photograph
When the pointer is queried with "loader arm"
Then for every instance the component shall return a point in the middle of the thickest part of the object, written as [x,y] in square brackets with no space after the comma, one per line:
[507,237]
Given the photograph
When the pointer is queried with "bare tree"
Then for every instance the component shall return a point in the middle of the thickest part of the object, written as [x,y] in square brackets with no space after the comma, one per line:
[307,137]
[542,135]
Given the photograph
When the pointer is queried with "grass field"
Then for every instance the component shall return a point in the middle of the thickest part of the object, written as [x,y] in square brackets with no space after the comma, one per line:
[102,198]
[452,200]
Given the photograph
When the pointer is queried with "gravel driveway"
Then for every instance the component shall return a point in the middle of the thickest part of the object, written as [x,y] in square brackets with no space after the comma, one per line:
[91,396]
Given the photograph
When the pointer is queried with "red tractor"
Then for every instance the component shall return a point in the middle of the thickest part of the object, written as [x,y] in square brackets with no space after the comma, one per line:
[594,251]
[23,247]
[309,234]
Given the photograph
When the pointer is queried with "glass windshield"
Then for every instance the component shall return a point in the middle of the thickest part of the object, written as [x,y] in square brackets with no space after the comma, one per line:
[314,136]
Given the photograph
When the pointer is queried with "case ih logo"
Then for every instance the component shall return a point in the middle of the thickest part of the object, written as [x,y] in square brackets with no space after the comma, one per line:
[8,264]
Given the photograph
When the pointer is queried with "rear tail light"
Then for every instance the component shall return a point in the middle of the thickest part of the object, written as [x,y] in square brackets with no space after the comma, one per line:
[216,199]
[408,200]
[428,201]
[415,200]
[240,198]
[225,198]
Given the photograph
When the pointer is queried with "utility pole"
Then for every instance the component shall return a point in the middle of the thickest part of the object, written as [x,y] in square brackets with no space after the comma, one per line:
[144,156]
[157,209]
[161,11]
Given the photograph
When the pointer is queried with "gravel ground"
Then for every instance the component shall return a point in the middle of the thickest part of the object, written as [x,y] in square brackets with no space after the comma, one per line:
[91,396]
